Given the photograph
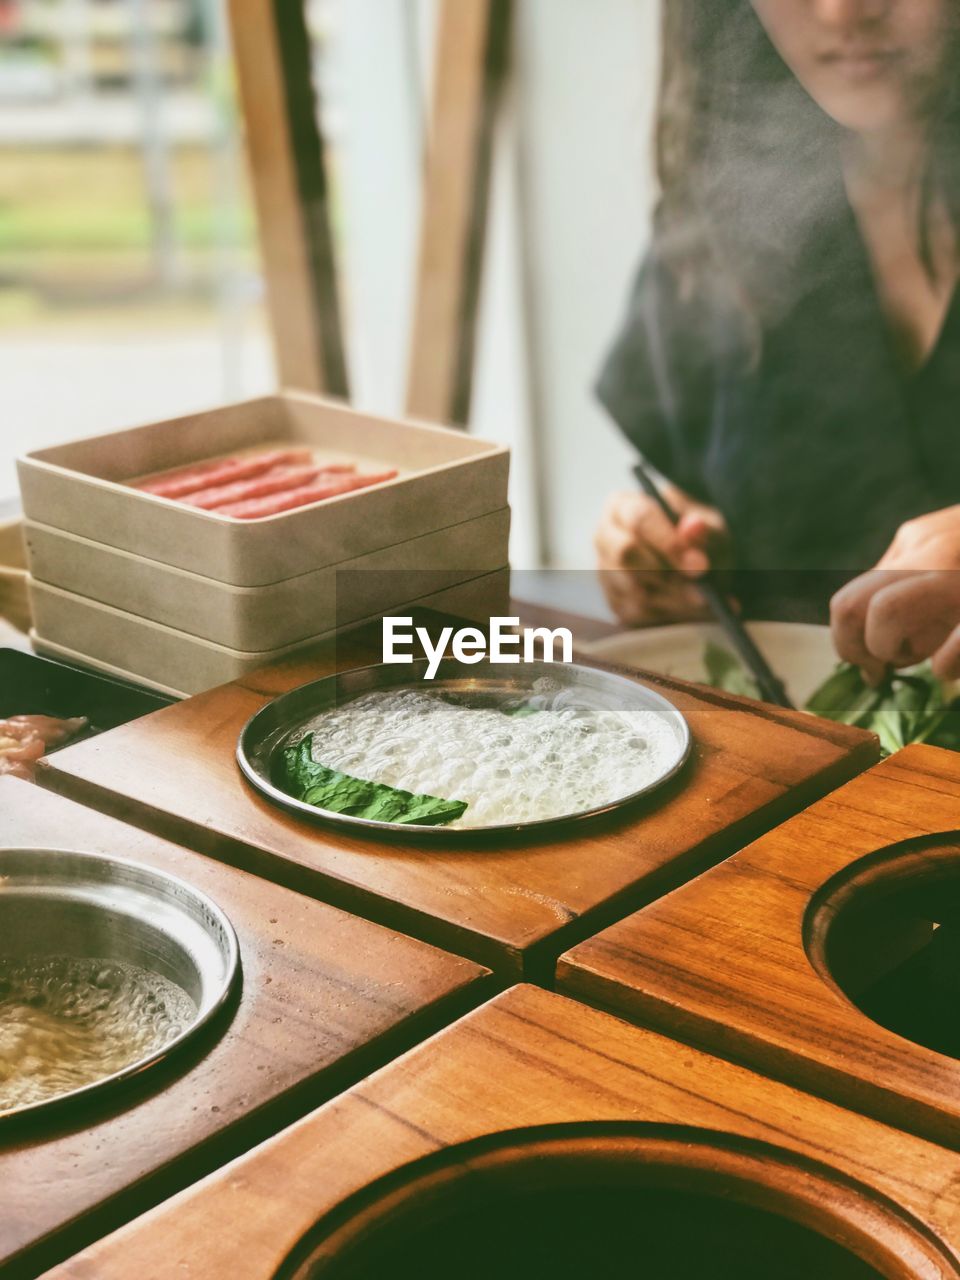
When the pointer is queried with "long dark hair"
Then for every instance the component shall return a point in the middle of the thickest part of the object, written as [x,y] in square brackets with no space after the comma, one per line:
[749,165]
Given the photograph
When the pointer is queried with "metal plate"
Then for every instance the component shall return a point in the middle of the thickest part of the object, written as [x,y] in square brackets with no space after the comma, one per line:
[56,903]
[279,722]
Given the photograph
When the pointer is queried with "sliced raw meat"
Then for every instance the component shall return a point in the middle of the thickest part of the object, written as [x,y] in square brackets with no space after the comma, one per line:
[24,739]
[171,480]
[257,508]
[204,475]
[23,749]
[19,752]
[273,481]
[14,769]
[50,729]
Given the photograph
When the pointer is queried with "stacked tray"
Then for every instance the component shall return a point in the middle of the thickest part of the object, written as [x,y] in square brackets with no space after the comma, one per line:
[183,598]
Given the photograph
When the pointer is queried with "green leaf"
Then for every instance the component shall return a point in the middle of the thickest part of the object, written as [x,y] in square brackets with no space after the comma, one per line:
[905,708]
[944,731]
[317,784]
[845,696]
[891,727]
[919,699]
[299,767]
[724,671]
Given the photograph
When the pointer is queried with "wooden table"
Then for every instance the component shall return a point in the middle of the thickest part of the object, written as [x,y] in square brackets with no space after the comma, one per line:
[533,1058]
[325,999]
[723,962]
[512,905]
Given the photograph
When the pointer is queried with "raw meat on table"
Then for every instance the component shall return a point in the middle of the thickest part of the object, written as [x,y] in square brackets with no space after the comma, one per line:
[257,508]
[276,480]
[24,739]
[204,475]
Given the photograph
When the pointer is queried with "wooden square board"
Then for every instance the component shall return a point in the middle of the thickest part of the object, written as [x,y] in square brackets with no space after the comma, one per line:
[735,961]
[511,904]
[325,997]
[531,1058]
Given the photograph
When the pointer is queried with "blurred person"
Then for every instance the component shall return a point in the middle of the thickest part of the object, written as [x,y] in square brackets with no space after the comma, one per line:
[790,360]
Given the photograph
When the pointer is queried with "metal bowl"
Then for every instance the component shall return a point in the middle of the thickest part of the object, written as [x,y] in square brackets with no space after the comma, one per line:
[275,725]
[83,906]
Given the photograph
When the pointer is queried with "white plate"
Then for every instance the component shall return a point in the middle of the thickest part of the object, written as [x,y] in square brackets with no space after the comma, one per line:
[800,653]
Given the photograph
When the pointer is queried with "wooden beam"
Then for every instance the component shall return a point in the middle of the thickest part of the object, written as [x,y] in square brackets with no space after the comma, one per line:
[470,66]
[285,151]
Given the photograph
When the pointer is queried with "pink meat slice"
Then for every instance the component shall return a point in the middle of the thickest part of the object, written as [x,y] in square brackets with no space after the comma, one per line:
[16,769]
[51,730]
[204,475]
[24,739]
[273,481]
[257,508]
[24,749]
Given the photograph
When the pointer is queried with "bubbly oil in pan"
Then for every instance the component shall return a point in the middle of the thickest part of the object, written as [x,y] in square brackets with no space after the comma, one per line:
[67,1022]
[557,752]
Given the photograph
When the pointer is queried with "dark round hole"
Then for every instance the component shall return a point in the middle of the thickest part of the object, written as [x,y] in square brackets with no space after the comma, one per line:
[887,932]
[597,1232]
[512,1208]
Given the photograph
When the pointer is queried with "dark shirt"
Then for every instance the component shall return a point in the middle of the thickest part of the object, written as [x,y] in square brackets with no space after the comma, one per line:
[818,449]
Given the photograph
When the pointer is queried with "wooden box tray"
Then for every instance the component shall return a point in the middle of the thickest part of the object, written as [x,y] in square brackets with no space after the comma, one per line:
[282,613]
[564,1143]
[167,658]
[445,477]
[814,954]
[325,997]
[514,905]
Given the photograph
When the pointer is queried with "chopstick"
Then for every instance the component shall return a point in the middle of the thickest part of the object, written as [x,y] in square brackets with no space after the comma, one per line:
[769,684]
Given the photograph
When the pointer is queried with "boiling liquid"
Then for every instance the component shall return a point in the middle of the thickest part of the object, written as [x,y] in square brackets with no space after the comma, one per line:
[65,1023]
[571,755]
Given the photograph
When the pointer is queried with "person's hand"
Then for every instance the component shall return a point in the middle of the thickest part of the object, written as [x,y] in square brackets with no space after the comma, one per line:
[908,607]
[646,564]
[930,542]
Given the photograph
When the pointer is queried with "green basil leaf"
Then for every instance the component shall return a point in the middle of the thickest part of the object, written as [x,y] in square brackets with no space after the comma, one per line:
[317,784]
[845,697]
[891,727]
[724,671]
[944,729]
[520,711]
[905,708]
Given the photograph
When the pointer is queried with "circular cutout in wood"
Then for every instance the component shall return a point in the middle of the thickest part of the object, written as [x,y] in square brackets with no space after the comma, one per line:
[885,932]
[613,1200]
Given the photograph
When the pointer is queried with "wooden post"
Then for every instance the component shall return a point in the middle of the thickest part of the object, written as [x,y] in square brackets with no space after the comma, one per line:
[285,149]
[470,65]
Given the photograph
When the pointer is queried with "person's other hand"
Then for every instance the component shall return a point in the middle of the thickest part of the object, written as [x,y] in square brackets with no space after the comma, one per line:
[908,607]
[930,542]
[646,564]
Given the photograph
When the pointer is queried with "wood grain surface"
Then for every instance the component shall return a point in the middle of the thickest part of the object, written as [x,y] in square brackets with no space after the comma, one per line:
[325,998]
[533,1058]
[722,962]
[511,903]
[273,58]
[469,56]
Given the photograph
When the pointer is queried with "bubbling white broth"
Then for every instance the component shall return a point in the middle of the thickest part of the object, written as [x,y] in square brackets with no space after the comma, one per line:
[66,1023]
[571,752]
